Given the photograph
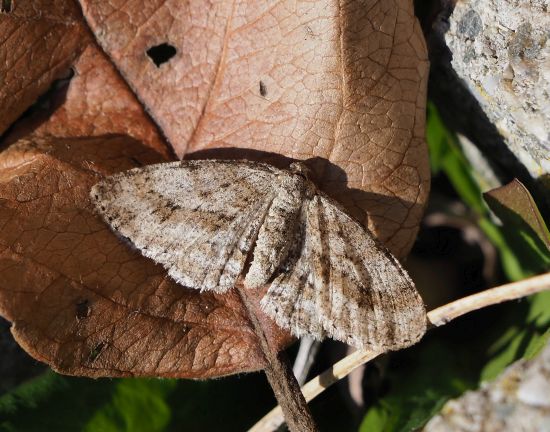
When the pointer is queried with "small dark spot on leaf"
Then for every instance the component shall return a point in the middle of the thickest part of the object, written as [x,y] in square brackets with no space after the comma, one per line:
[7,6]
[263,89]
[96,351]
[83,309]
[161,53]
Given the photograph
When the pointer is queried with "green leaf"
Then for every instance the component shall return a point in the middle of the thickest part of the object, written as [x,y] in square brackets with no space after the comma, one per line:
[60,403]
[135,405]
[521,255]
[514,202]
[426,376]
[522,241]
[523,226]
[537,346]
[29,407]
[524,337]
[446,156]
[55,402]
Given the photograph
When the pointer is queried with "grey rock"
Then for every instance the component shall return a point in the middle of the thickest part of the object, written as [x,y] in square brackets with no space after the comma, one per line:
[519,400]
[501,49]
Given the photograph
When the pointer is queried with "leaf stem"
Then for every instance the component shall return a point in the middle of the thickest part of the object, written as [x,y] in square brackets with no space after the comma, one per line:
[437,317]
[292,404]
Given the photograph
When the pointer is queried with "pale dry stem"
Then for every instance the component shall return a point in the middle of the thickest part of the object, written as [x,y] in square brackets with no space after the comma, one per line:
[437,317]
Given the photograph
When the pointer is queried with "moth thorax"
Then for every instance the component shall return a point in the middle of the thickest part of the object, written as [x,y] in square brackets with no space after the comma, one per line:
[296,184]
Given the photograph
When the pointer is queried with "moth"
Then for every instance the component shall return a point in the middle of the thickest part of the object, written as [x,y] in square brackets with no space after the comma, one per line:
[208,222]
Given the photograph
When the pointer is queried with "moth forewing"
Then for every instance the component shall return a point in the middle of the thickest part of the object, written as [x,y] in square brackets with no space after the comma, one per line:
[329,276]
[198,219]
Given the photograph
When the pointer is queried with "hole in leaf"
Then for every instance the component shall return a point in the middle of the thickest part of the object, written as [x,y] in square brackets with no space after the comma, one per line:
[263,89]
[161,53]
[83,309]
[6,6]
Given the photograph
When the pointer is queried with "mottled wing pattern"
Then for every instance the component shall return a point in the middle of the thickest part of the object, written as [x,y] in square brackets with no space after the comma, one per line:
[198,219]
[342,283]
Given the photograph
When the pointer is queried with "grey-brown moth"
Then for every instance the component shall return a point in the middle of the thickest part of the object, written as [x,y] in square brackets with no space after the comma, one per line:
[327,274]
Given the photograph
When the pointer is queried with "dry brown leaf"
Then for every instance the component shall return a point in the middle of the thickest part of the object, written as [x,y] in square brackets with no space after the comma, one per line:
[99,102]
[39,40]
[86,303]
[341,81]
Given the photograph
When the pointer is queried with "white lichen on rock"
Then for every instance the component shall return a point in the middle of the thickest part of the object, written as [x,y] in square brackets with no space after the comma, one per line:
[519,400]
[501,48]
